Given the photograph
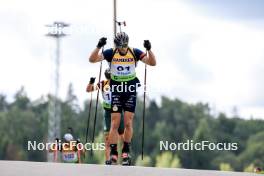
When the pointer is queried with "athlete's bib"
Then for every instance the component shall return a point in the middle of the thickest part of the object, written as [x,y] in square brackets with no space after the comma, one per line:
[106,93]
[69,156]
[123,68]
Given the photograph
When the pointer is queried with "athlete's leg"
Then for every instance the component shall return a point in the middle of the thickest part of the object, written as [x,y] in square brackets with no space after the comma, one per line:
[128,123]
[128,133]
[129,108]
[107,147]
[113,136]
[115,122]
[121,128]
[130,105]
[116,109]
[121,132]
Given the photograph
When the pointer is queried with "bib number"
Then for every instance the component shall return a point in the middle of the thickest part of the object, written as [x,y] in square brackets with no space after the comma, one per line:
[121,68]
[108,97]
[70,157]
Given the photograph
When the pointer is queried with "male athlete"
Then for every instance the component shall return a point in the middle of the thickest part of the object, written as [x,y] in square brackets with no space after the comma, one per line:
[122,61]
[106,94]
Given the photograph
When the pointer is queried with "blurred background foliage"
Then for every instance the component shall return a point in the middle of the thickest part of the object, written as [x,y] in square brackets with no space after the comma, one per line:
[172,120]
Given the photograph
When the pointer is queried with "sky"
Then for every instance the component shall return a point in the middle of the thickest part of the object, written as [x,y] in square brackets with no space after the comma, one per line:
[209,51]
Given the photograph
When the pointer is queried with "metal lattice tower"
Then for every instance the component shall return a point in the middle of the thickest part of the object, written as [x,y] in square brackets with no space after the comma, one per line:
[54,120]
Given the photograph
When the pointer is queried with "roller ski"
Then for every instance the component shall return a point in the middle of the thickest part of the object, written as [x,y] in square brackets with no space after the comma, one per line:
[126,159]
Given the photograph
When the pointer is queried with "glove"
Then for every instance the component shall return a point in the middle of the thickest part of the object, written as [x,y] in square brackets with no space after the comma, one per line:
[101,42]
[92,80]
[147,45]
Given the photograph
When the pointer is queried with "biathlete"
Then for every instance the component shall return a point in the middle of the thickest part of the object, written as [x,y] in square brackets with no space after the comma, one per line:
[106,94]
[68,149]
[122,61]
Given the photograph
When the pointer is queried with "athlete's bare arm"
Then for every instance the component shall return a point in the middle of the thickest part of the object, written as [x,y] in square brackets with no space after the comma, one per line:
[91,88]
[149,59]
[96,56]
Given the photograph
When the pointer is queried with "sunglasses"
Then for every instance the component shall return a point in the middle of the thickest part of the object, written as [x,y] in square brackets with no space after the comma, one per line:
[122,46]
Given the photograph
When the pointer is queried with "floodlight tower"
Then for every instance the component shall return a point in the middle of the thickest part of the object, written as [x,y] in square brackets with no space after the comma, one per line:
[54,120]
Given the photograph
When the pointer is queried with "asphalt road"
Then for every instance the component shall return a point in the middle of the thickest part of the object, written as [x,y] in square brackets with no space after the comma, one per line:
[24,168]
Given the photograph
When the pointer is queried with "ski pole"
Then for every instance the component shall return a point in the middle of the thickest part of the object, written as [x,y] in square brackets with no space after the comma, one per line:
[96,105]
[144,109]
[89,117]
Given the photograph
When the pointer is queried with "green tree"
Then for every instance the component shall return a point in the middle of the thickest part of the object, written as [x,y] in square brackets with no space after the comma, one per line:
[3,103]
[167,159]
[21,99]
[254,152]
[201,159]
[145,162]
[249,168]
[225,167]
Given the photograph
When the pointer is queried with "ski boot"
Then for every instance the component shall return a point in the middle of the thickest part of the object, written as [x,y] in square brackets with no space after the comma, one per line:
[126,159]
[113,159]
